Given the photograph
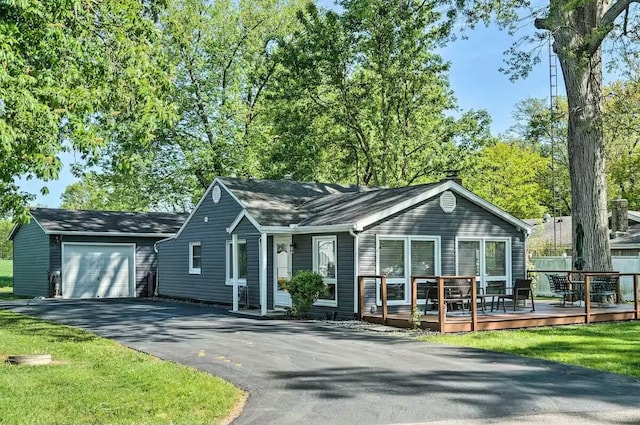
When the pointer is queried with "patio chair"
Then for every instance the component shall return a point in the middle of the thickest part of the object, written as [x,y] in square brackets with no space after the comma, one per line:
[521,291]
[603,287]
[561,286]
[456,294]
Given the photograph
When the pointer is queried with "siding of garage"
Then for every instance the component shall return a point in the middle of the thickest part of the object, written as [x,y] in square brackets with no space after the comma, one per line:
[30,261]
[146,258]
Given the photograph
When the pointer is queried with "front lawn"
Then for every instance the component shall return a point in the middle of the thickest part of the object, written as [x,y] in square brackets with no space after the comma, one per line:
[6,273]
[612,347]
[98,381]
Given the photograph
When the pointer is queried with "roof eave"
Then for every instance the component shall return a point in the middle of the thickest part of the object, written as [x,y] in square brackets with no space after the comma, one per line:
[118,234]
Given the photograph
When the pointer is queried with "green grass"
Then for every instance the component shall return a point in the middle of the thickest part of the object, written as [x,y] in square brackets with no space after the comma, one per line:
[612,347]
[98,381]
[6,274]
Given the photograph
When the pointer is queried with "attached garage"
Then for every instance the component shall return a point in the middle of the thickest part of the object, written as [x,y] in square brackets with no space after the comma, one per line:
[98,270]
[89,254]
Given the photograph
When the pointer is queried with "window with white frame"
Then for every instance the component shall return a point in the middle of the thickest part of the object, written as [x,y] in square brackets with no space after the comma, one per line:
[325,254]
[242,262]
[488,259]
[400,257]
[195,257]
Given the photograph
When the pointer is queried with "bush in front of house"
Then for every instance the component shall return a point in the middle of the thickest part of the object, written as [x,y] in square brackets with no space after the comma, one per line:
[305,288]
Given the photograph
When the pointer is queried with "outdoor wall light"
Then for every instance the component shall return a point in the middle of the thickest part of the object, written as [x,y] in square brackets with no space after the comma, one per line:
[292,248]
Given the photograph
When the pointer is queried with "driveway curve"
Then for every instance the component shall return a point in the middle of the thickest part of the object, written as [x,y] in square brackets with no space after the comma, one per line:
[310,373]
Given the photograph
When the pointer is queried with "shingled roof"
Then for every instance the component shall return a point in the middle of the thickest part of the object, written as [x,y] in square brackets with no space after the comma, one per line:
[288,203]
[109,223]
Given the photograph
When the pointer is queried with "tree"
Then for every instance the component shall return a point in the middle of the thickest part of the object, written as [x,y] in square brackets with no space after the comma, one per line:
[622,135]
[508,176]
[71,73]
[6,246]
[578,29]
[545,132]
[364,98]
[221,58]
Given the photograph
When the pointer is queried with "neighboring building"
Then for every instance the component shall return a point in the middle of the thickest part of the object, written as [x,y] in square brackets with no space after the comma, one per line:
[257,233]
[553,235]
[91,254]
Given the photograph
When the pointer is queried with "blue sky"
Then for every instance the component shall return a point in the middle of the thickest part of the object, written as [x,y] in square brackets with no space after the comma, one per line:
[474,77]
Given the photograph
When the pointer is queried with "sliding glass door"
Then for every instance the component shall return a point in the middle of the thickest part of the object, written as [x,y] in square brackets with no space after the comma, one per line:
[488,259]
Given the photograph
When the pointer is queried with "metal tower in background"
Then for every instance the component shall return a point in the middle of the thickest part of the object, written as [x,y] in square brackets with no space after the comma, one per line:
[553,111]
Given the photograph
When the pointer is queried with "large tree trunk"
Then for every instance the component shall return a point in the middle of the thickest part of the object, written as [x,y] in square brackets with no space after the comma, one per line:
[582,70]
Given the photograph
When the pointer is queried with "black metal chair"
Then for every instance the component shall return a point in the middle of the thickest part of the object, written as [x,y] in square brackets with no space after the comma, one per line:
[521,291]
[561,286]
[603,287]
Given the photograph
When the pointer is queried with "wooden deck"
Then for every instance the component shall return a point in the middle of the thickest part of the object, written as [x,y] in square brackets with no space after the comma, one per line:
[547,312]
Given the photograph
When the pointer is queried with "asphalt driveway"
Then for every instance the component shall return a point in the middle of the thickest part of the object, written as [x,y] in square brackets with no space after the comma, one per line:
[310,373]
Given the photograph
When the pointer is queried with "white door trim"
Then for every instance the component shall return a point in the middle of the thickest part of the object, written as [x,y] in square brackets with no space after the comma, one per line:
[287,239]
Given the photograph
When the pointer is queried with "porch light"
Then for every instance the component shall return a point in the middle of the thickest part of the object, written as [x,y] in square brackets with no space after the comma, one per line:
[292,248]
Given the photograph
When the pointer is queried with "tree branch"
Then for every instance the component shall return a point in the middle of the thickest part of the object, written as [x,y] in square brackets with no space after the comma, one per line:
[606,23]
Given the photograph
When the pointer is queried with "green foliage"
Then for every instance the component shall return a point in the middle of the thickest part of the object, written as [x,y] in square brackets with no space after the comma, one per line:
[305,288]
[364,98]
[71,74]
[6,246]
[622,135]
[508,176]
[104,382]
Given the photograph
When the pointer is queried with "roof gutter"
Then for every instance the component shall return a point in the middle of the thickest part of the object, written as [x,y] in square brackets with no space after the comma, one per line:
[297,229]
[133,235]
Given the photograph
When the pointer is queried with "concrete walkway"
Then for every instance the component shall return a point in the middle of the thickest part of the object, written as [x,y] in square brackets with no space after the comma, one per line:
[309,373]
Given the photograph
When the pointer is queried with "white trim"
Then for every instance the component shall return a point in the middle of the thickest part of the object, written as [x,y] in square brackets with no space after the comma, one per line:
[195,270]
[234,271]
[205,195]
[482,278]
[356,269]
[263,274]
[228,280]
[132,273]
[295,229]
[275,267]
[331,281]
[444,186]
[437,240]
[239,218]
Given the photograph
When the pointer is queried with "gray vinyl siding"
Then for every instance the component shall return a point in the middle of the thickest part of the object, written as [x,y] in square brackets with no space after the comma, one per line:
[174,279]
[146,258]
[428,219]
[303,260]
[31,261]
[247,231]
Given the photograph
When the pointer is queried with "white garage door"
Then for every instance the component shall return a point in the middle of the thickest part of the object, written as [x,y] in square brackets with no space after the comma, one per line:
[98,270]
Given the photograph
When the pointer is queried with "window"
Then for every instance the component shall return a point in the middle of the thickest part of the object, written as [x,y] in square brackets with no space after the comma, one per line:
[195,257]
[324,263]
[488,259]
[400,257]
[242,263]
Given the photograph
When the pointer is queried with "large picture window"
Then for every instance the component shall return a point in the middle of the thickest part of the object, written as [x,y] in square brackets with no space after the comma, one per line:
[325,254]
[242,263]
[195,257]
[400,257]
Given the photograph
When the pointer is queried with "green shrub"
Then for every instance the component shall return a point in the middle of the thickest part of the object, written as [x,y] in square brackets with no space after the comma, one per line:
[305,288]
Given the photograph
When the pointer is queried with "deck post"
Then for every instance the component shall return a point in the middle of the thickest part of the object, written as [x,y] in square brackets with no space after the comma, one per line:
[360,297]
[618,291]
[383,295]
[414,297]
[636,302]
[587,298]
[474,306]
[442,315]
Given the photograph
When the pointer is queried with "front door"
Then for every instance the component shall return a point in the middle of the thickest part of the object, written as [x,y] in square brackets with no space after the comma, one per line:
[282,268]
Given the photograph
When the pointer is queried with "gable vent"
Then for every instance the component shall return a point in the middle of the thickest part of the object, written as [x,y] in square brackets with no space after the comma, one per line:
[447,202]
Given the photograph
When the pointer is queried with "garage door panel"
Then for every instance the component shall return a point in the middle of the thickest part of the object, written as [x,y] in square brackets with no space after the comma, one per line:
[97,271]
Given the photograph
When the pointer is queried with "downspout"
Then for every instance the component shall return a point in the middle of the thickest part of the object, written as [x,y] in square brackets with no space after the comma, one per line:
[356,248]
[155,289]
